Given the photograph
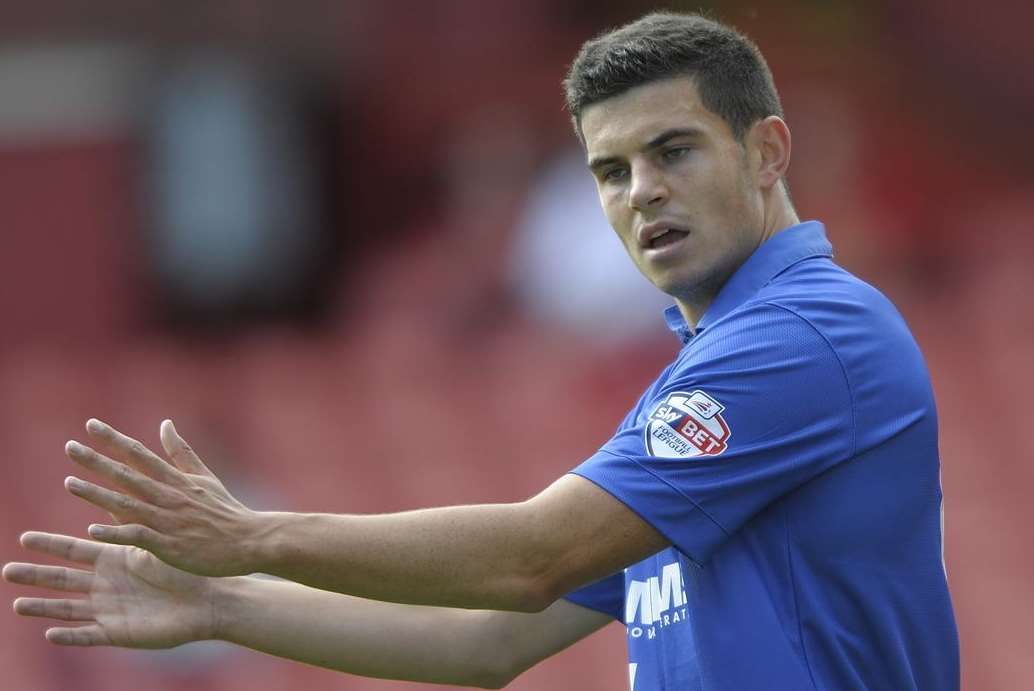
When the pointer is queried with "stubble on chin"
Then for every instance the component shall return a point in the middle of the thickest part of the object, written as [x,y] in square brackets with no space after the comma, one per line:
[699,291]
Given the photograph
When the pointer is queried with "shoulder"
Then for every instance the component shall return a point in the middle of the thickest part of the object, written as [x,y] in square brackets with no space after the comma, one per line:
[860,324]
[872,346]
[770,370]
[761,332]
[816,299]
[829,296]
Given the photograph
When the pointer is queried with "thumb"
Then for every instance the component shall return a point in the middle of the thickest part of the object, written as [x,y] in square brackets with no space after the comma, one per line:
[179,451]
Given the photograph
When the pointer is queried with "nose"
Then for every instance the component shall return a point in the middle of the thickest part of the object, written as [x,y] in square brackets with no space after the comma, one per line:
[648,188]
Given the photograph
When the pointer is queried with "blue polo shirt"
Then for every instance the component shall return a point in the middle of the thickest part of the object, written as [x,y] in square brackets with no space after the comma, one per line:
[789,454]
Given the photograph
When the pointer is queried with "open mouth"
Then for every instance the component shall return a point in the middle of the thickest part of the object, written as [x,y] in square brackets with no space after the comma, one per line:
[667,237]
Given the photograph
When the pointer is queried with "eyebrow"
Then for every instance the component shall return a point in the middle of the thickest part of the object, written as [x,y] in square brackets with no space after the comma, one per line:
[658,141]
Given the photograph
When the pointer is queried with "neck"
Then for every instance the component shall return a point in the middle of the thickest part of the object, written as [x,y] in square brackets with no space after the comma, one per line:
[777,217]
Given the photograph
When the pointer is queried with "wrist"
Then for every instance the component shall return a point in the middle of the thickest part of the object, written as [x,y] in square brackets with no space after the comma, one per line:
[264,549]
[227,600]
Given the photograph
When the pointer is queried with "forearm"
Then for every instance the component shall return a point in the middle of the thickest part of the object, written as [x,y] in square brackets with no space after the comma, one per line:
[481,557]
[358,636]
[515,557]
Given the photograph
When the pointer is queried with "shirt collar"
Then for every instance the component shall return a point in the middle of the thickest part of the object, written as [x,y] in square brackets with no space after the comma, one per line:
[780,252]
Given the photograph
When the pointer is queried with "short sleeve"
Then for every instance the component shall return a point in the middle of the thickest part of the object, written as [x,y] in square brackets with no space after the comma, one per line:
[757,406]
[606,595]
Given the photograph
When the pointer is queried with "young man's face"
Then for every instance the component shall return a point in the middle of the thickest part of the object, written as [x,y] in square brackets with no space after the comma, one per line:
[663,161]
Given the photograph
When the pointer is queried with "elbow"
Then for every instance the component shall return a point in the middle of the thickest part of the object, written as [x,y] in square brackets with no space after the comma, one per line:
[481,679]
[494,677]
[493,681]
[523,598]
[495,650]
[500,650]
[529,590]
[532,600]
[537,590]
[540,566]
[539,582]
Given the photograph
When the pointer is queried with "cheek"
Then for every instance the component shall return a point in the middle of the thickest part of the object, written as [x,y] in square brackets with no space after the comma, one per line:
[611,200]
[725,197]
[618,216]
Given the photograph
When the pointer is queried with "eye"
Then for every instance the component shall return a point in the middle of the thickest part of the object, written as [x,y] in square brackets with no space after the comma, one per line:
[676,153]
[614,174]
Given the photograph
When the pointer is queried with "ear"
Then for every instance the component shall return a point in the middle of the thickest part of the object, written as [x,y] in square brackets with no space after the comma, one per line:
[771,139]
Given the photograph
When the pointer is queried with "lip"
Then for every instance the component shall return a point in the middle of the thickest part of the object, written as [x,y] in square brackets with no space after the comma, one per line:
[647,231]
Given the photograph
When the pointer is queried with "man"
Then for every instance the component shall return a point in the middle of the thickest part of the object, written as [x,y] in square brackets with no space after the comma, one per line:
[766,517]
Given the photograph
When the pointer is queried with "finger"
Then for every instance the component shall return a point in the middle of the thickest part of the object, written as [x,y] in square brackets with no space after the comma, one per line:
[180,452]
[65,610]
[121,506]
[56,577]
[70,548]
[133,452]
[80,635]
[134,535]
[120,474]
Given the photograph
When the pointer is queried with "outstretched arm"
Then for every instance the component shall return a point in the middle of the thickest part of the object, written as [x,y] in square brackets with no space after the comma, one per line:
[134,600]
[465,647]
[519,557]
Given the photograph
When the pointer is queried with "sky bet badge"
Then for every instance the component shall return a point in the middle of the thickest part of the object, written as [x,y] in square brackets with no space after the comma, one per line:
[687,425]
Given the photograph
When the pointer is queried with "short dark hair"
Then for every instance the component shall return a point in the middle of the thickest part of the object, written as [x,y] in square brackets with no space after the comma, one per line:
[731,75]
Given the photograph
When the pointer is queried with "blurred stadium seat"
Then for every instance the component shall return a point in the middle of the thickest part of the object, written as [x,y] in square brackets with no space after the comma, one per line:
[431,384]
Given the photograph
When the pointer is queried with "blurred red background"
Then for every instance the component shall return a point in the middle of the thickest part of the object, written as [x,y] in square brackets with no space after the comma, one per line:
[313,235]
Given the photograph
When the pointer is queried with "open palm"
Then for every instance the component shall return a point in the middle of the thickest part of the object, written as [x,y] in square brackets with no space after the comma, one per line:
[133,599]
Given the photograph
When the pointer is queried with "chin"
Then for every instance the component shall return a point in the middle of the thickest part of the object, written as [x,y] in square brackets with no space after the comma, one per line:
[692,289]
[676,289]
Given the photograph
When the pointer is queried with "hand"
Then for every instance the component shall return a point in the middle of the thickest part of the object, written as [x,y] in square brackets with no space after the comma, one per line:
[133,599]
[179,511]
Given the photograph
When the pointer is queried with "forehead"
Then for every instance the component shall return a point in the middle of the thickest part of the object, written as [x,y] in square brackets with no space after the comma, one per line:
[628,121]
